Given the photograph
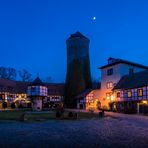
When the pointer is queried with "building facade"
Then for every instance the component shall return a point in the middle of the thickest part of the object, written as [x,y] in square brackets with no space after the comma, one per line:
[113,95]
[111,74]
[37,91]
[132,93]
[14,94]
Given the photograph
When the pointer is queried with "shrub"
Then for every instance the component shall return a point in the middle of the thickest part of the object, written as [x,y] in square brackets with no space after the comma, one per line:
[76,115]
[70,115]
[58,114]
[23,117]
[46,105]
[20,106]
[29,105]
[4,105]
[13,105]
[101,114]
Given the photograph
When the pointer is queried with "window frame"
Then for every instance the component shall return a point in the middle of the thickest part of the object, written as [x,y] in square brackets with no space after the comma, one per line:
[129,91]
[108,86]
[139,92]
[109,71]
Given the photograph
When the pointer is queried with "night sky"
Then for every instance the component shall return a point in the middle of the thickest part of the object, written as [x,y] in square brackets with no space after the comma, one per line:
[33,33]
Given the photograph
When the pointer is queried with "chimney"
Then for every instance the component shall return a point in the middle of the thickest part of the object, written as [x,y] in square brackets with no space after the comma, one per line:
[111,60]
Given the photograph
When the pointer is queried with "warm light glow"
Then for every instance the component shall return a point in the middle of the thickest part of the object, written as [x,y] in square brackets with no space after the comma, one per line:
[112,98]
[145,102]
[108,97]
[129,94]
[91,102]
[140,92]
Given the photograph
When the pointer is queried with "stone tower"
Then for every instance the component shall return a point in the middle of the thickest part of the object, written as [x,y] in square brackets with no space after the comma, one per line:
[78,77]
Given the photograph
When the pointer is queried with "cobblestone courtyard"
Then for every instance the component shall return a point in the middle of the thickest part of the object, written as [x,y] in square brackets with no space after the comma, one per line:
[115,130]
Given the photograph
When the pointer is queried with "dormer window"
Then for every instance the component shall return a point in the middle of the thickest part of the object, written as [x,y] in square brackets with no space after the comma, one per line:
[109,71]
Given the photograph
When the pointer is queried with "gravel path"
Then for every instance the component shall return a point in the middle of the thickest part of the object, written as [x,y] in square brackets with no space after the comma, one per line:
[114,131]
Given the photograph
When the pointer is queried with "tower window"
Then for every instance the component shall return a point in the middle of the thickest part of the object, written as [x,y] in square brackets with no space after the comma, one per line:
[110,71]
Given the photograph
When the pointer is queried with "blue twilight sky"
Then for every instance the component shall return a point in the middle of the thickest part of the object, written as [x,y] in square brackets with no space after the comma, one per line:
[33,33]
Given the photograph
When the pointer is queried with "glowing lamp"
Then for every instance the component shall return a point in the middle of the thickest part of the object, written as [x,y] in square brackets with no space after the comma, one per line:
[145,102]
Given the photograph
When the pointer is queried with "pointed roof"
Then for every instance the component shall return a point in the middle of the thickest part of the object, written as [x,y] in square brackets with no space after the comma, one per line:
[78,35]
[37,82]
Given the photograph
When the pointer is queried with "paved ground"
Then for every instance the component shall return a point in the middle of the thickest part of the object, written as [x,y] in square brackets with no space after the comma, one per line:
[115,130]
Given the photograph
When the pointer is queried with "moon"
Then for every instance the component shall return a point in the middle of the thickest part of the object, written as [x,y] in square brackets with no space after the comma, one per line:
[94,18]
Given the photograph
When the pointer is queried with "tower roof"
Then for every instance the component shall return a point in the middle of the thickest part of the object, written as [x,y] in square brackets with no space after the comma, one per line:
[37,82]
[78,34]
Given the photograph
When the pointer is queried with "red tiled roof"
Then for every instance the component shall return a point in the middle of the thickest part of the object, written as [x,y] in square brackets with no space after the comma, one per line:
[22,86]
[12,86]
[55,88]
[7,85]
[134,80]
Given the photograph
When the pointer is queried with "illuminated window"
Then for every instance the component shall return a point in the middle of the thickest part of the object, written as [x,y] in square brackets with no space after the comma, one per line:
[109,85]
[129,94]
[140,92]
[109,71]
[2,96]
[108,95]
[23,96]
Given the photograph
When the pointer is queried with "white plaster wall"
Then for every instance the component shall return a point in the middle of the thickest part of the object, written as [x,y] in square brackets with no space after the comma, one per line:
[115,77]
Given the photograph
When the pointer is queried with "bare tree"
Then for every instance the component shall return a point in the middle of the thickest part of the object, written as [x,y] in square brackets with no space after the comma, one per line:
[3,72]
[11,73]
[25,75]
[8,73]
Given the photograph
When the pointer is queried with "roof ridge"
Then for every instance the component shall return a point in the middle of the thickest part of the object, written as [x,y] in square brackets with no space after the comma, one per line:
[118,60]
